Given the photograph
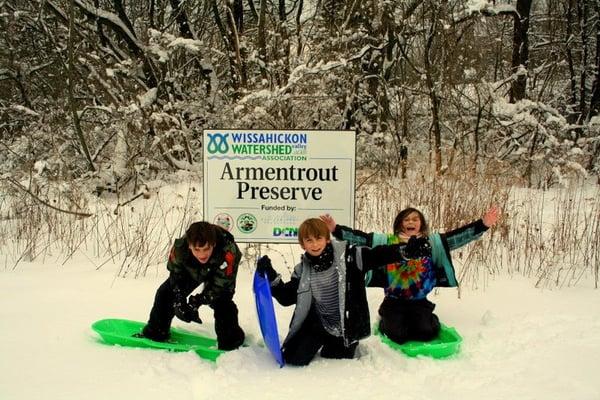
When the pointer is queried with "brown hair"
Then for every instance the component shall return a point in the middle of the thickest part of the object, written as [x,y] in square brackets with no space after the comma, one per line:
[312,227]
[403,214]
[202,233]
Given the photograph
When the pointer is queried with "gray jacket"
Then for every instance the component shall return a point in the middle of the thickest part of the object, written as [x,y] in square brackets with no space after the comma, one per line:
[351,263]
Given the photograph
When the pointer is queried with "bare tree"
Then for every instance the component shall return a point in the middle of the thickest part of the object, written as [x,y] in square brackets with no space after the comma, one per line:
[520,52]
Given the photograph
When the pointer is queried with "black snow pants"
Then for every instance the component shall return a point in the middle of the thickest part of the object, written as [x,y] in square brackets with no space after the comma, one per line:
[304,345]
[403,320]
[229,333]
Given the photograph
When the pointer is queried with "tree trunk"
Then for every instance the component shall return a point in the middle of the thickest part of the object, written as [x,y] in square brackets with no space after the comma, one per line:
[236,48]
[572,116]
[253,10]
[229,47]
[285,44]
[71,78]
[431,78]
[520,53]
[182,20]
[594,108]
[582,13]
[262,38]
[529,169]
[238,16]
[299,44]
[476,131]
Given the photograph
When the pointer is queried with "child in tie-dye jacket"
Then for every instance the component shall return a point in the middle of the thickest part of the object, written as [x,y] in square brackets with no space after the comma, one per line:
[406,313]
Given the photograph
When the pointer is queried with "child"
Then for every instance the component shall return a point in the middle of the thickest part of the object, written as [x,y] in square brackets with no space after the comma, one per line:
[406,313]
[328,289]
[206,254]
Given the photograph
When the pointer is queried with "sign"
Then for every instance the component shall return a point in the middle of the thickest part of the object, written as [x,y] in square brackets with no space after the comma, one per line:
[262,184]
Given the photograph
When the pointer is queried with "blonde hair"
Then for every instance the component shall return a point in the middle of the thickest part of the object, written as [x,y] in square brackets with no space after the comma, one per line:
[312,227]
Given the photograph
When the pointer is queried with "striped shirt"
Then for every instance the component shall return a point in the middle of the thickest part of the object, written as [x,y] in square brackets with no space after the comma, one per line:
[324,287]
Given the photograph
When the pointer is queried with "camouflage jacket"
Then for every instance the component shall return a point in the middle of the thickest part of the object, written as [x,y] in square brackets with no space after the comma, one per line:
[218,274]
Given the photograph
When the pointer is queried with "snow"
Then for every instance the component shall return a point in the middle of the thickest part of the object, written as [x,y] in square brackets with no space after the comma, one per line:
[148,98]
[40,166]
[519,342]
[24,110]
[476,5]
[190,44]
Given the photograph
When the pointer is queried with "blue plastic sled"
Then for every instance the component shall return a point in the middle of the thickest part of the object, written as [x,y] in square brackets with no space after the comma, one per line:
[266,316]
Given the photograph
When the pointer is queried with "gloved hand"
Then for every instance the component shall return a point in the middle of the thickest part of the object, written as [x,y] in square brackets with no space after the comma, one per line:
[186,313]
[265,269]
[417,247]
[198,300]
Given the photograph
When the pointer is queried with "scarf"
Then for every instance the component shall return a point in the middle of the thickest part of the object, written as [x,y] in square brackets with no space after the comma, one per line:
[323,261]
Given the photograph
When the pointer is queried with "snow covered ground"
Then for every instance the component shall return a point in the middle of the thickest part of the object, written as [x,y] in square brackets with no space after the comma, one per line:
[519,343]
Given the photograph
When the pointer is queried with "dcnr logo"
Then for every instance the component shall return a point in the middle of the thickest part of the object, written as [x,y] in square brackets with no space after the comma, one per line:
[217,143]
[285,232]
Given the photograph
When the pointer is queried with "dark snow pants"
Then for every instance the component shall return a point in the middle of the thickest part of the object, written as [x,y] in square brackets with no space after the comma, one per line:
[229,333]
[304,345]
[403,320]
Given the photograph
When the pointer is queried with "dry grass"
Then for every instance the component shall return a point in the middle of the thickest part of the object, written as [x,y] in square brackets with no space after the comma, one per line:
[551,235]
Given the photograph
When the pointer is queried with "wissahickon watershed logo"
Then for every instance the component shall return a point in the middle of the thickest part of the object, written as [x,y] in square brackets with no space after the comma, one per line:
[275,146]
[246,223]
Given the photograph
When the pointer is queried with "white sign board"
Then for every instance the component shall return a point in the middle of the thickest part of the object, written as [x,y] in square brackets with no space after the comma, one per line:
[261,184]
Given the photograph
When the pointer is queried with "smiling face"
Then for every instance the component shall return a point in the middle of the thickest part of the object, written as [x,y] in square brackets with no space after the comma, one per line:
[313,236]
[411,224]
[314,245]
[202,253]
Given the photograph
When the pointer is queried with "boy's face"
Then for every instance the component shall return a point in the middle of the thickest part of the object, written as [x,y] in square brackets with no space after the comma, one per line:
[411,224]
[202,253]
[314,245]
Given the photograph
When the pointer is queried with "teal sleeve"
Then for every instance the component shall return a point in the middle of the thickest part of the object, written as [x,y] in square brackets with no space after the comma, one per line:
[440,258]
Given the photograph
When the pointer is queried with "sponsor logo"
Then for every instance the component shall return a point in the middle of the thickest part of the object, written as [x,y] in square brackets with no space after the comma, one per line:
[285,231]
[225,221]
[246,223]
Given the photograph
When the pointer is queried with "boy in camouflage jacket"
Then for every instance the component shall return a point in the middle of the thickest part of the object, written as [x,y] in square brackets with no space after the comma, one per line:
[207,254]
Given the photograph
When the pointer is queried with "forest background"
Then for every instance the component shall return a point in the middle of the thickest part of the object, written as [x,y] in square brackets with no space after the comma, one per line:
[456,104]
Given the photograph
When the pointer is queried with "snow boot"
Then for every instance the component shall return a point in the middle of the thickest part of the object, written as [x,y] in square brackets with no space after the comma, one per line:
[158,335]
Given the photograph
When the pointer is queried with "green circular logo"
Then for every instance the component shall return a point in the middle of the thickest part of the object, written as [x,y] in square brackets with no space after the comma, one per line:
[246,223]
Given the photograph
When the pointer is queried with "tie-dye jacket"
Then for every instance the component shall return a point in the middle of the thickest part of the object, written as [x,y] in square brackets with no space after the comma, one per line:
[415,278]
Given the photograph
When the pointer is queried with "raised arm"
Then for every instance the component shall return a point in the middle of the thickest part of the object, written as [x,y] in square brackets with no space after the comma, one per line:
[371,258]
[352,236]
[329,221]
[465,234]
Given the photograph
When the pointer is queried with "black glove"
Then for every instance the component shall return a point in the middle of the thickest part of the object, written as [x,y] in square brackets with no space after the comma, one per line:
[417,247]
[183,310]
[186,313]
[265,269]
[198,300]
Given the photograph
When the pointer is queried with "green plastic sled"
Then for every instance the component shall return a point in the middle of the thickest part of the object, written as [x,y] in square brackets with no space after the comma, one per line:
[123,332]
[445,345]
